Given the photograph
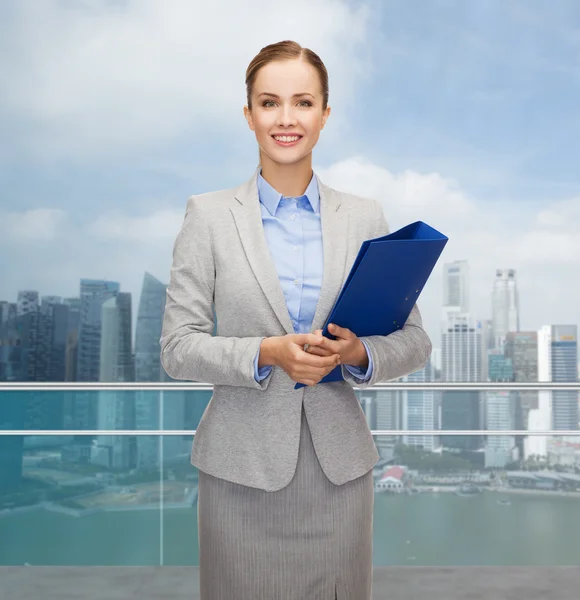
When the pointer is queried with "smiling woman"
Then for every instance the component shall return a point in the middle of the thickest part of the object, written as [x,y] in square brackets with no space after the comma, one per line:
[285,496]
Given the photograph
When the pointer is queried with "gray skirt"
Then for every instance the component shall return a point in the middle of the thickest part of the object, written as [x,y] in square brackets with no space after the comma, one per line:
[309,540]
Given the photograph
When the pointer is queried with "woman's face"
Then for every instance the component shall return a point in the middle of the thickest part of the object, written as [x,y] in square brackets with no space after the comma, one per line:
[287,99]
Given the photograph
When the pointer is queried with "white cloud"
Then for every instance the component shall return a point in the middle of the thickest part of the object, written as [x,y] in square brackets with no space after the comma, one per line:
[36,225]
[543,247]
[161,225]
[110,77]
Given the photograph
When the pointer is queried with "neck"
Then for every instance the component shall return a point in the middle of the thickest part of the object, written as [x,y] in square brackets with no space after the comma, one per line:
[290,180]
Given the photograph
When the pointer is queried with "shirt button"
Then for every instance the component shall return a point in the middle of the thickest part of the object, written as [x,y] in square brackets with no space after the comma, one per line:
[292,217]
[296,281]
[295,247]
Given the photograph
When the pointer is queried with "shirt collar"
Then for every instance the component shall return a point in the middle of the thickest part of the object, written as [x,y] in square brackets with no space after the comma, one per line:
[270,198]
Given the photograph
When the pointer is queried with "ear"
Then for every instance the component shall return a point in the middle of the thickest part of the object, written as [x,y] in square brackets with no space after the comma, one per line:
[325,116]
[248,115]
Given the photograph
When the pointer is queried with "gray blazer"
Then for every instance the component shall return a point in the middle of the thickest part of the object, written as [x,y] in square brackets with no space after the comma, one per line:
[249,432]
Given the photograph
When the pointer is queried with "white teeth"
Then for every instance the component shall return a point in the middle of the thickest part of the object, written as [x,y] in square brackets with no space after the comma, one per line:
[285,138]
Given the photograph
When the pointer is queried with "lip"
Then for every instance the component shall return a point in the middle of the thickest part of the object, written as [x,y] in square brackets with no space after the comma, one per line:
[287,144]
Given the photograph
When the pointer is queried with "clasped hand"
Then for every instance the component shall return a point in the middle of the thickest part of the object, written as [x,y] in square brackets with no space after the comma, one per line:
[347,345]
[310,365]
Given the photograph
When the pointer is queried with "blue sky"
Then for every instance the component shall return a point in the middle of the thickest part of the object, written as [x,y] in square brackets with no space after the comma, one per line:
[462,114]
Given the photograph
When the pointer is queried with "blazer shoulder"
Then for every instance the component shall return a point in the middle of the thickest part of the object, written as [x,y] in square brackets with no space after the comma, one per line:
[368,208]
[206,198]
[208,202]
[356,201]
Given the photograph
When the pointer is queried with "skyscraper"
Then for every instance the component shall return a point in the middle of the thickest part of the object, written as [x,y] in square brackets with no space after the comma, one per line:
[461,348]
[461,361]
[522,348]
[557,362]
[93,293]
[505,306]
[82,408]
[455,288]
[115,409]
[155,409]
[564,362]
[418,407]
[27,301]
[388,416]
[499,412]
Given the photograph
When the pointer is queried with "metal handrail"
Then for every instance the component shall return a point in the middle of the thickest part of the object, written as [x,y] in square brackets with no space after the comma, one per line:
[390,432]
[172,386]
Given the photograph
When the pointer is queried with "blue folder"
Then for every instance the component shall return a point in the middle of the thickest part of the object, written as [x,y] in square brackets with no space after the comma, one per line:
[383,285]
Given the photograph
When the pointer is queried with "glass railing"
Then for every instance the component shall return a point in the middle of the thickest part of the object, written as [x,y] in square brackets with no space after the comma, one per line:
[100,474]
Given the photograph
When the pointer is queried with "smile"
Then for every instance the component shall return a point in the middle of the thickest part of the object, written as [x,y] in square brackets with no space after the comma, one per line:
[285,140]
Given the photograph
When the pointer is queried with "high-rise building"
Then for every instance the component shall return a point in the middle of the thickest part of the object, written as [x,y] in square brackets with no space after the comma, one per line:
[115,409]
[93,294]
[155,410]
[564,360]
[455,288]
[461,351]
[522,348]
[505,306]
[388,417]
[419,410]
[47,301]
[557,362]
[148,329]
[81,412]
[7,311]
[27,301]
[499,412]
[461,362]
[487,344]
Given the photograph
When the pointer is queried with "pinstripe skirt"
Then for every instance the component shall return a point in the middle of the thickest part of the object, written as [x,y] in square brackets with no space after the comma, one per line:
[310,540]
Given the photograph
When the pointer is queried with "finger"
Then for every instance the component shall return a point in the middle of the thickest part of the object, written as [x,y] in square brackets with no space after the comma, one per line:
[321,361]
[341,332]
[319,351]
[306,338]
[328,344]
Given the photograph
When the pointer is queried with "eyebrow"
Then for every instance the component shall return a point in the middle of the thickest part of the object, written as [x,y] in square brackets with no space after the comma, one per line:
[293,96]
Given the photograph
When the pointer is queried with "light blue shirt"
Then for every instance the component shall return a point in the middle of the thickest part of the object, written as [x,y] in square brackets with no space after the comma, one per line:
[294,236]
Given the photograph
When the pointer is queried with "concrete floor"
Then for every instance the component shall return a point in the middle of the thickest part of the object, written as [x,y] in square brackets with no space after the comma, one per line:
[390,583]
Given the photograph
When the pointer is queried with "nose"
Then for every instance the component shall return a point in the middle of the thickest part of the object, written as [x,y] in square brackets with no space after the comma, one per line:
[286,117]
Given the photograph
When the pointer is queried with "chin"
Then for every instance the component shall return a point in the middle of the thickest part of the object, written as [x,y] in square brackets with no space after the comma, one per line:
[286,156]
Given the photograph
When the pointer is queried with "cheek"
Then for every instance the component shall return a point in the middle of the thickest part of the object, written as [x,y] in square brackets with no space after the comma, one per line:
[263,123]
[313,126]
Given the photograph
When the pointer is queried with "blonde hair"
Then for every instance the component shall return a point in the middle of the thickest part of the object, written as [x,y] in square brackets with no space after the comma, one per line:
[285,50]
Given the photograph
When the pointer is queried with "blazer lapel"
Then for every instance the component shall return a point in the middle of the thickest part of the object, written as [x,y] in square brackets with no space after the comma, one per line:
[334,224]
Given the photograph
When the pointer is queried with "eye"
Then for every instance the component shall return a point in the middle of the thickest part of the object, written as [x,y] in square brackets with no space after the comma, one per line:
[266,102]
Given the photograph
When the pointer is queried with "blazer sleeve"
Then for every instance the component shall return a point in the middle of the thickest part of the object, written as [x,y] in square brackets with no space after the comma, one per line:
[189,351]
[399,353]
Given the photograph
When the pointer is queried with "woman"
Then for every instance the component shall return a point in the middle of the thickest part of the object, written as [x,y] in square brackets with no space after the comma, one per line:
[285,500]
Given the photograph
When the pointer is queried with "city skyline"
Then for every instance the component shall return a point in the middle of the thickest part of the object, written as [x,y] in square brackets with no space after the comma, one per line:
[451,119]
[445,308]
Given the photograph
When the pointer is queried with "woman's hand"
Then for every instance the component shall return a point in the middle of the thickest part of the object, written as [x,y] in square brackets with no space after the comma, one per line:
[297,363]
[347,345]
